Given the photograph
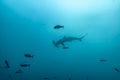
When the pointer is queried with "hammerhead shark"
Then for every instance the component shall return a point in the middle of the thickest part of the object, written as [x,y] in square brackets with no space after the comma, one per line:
[66,39]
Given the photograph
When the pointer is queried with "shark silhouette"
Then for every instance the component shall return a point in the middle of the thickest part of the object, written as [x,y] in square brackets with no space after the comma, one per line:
[66,39]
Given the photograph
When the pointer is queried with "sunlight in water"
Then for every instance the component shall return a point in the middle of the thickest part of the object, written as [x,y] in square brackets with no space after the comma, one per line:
[74,6]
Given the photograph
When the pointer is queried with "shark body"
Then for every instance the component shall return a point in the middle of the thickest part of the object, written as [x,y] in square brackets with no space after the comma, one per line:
[67,39]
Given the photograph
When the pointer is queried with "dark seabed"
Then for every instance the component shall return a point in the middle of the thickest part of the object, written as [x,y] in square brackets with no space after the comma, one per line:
[60,40]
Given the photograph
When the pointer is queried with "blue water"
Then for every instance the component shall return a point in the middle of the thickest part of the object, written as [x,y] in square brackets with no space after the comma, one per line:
[27,26]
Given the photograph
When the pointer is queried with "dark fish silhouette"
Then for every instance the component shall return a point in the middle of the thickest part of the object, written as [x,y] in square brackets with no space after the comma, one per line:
[117,70]
[102,60]
[7,64]
[58,27]
[70,78]
[28,55]
[65,47]
[25,65]
[19,71]
[46,78]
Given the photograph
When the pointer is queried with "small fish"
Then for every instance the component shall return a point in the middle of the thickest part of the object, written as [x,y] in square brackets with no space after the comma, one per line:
[46,78]
[58,27]
[65,47]
[19,71]
[102,60]
[7,64]
[25,65]
[70,78]
[117,70]
[28,55]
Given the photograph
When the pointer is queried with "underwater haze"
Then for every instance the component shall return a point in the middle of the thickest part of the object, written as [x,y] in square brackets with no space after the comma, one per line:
[60,40]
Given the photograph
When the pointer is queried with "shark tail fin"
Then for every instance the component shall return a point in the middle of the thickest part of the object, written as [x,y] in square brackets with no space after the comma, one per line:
[82,37]
[54,43]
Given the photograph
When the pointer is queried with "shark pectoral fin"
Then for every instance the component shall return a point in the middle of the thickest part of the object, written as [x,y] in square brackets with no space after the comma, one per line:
[65,47]
[63,44]
[54,43]
[82,37]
